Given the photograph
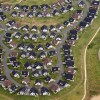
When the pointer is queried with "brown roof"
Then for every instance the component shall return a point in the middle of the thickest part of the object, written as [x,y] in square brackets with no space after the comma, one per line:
[13,53]
[17,25]
[70,70]
[13,43]
[75,16]
[54,87]
[7,83]
[27,80]
[46,61]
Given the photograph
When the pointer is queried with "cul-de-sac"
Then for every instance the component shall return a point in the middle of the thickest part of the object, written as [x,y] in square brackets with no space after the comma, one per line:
[49,50]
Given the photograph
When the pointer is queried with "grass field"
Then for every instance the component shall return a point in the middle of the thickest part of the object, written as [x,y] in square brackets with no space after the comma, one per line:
[93,67]
[30,2]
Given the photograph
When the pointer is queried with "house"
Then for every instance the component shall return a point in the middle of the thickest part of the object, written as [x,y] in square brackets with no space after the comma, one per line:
[34,37]
[55,69]
[38,82]
[6,84]
[70,7]
[13,44]
[23,54]
[56,42]
[26,81]
[68,52]
[10,23]
[13,54]
[49,45]
[1,8]
[83,25]
[34,8]
[30,47]
[66,23]
[58,37]
[8,40]
[23,90]
[70,63]
[37,65]
[40,47]
[53,5]
[55,88]
[44,72]
[17,35]
[0,51]
[39,14]
[17,26]
[88,20]
[15,74]
[7,7]
[27,65]
[34,28]
[44,28]
[16,64]
[52,35]
[70,70]
[33,92]
[25,28]
[21,46]
[1,27]
[71,20]
[79,12]
[62,84]
[44,7]
[22,14]
[52,28]
[42,54]
[69,76]
[3,17]
[25,8]
[12,59]
[13,88]
[32,55]
[9,35]
[44,35]
[48,79]
[55,12]
[2,78]
[26,36]
[17,7]
[59,27]
[66,47]
[14,14]
[52,53]
[47,62]
[36,73]
[30,14]
[95,4]
[75,16]
[81,4]
[46,14]
[25,73]
[44,91]
[63,10]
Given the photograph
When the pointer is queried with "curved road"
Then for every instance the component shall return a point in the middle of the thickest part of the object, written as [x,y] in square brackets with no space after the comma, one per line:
[60,64]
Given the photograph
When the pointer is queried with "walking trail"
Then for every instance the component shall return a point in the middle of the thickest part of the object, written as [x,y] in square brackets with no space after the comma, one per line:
[85,71]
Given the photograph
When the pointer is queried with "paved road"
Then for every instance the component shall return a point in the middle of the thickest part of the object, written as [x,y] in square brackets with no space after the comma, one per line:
[60,64]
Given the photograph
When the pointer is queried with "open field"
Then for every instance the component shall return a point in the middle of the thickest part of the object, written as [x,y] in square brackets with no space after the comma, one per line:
[39,2]
[93,67]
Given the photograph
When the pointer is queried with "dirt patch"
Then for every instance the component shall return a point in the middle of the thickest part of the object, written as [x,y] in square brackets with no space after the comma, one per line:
[96,98]
[99,54]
